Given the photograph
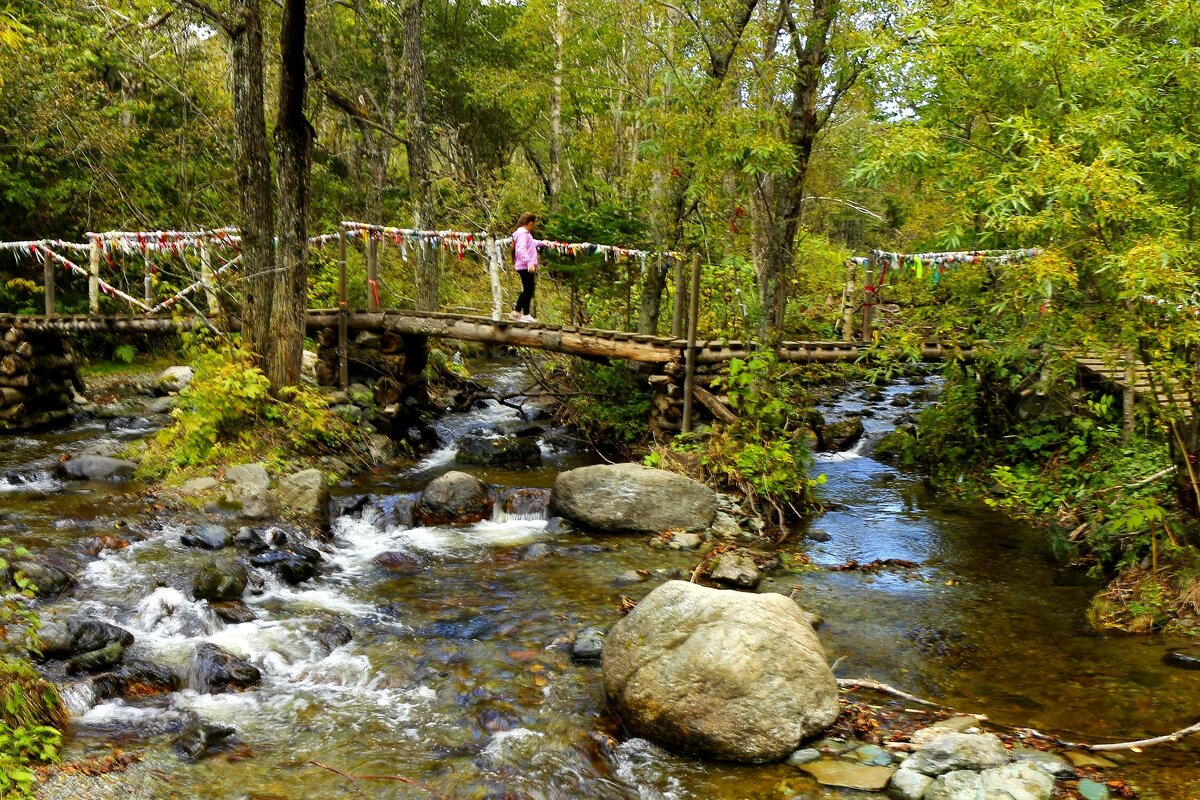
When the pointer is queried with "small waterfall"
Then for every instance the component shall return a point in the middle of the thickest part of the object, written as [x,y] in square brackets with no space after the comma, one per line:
[521,505]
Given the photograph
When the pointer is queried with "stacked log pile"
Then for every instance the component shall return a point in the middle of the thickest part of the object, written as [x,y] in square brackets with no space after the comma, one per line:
[38,379]
[392,364]
[666,406]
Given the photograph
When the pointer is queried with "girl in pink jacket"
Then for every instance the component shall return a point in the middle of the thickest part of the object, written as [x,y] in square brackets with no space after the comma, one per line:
[525,259]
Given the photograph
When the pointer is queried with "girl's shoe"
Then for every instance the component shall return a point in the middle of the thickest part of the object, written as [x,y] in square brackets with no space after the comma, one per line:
[527,318]
[517,315]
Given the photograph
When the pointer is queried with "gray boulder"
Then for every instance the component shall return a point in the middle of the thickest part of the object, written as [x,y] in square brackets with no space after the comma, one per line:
[217,670]
[161,405]
[957,785]
[737,570]
[1016,782]
[630,497]
[250,488]
[207,536]
[97,660]
[958,751]
[455,498]
[730,675]
[588,645]
[47,579]
[79,635]
[1050,763]
[908,785]
[305,494]
[173,379]
[220,580]
[96,468]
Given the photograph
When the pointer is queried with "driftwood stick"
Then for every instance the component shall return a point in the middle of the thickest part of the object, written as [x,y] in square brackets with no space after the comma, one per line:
[1174,736]
[350,777]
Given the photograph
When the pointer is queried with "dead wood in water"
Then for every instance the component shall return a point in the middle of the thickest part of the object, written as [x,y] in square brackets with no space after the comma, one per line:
[1032,733]
[350,777]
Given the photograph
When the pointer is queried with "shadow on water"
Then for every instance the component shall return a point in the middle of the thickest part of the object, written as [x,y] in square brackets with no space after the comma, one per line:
[457,674]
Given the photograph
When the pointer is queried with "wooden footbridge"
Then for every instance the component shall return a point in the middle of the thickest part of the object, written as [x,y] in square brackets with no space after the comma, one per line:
[342,331]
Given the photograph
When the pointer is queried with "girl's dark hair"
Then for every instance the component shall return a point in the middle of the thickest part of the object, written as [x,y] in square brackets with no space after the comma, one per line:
[526,218]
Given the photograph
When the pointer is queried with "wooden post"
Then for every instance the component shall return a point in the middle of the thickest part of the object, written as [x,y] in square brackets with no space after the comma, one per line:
[149,281]
[677,311]
[689,355]
[1129,397]
[372,271]
[343,315]
[206,277]
[48,276]
[848,302]
[495,260]
[94,276]
[870,295]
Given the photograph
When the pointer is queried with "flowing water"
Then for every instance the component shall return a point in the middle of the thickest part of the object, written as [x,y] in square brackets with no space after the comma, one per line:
[457,675]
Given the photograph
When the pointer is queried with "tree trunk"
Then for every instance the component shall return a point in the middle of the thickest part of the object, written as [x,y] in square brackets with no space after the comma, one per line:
[253,177]
[293,147]
[419,180]
[556,147]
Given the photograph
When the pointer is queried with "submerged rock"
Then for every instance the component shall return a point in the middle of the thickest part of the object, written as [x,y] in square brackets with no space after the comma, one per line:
[194,743]
[455,498]
[494,451]
[770,689]
[848,775]
[217,670]
[630,497]
[96,468]
[235,612]
[220,580]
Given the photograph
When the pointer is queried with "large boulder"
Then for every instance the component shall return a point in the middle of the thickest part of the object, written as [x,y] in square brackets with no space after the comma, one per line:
[217,670]
[96,468]
[630,497]
[455,498]
[173,379]
[78,635]
[306,495]
[220,580]
[250,488]
[724,674]
[495,451]
[207,536]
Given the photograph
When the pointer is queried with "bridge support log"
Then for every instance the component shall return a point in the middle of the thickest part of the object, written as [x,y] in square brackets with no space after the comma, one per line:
[36,379]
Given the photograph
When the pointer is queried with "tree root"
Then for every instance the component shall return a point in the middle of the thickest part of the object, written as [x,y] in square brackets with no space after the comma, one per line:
[1136,745]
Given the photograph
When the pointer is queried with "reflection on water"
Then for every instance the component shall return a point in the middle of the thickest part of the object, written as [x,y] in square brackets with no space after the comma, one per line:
[456,674]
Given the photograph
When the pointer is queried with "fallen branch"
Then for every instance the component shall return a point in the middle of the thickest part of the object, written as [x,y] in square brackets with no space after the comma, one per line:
[350,777]
[1138,484]
[1175,736]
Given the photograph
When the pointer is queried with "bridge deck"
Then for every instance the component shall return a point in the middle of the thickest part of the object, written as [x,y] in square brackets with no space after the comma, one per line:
[592,342]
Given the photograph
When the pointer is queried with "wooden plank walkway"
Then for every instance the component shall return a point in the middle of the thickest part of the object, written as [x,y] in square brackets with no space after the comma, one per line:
[1114,370]
[587,342]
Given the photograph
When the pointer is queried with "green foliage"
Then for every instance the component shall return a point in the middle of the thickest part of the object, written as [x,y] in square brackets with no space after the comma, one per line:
[228,414]
[124,353]
[762,453]
[609,402]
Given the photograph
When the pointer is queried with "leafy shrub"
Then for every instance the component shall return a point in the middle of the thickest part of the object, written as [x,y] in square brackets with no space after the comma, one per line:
[608,404]
[228,414]
[124,353]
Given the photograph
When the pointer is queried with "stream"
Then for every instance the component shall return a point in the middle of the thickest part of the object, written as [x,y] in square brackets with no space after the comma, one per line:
[456,674]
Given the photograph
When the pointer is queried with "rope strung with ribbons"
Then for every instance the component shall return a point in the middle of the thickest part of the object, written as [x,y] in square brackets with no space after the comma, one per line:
[934,265]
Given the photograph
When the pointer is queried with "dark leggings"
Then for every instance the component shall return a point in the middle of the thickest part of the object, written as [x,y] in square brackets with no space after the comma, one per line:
[527,281]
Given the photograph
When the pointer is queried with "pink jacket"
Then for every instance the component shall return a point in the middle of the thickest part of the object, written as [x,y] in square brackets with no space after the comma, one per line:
[525,249]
